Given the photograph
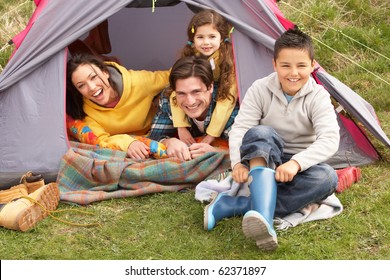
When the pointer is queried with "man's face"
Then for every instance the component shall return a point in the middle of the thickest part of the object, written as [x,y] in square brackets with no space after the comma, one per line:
[193,97]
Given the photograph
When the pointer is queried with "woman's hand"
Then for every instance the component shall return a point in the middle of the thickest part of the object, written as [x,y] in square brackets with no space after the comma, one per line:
[138,150]
[177,148]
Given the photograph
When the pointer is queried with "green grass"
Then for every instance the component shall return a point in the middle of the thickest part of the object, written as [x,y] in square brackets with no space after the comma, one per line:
[13,19]
[170,226]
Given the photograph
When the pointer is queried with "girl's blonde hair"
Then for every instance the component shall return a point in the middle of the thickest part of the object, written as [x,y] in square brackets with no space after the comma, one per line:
[226,62]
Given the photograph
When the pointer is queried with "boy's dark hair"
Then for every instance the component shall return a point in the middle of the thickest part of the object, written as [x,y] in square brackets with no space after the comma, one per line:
[294,39]
[74,99]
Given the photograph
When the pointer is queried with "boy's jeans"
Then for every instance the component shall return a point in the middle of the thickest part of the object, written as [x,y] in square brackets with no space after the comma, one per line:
[312,185]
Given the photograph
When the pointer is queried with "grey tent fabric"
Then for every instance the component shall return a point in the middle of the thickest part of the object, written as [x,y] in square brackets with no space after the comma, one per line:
[349,153]
[32,122]
[354,104]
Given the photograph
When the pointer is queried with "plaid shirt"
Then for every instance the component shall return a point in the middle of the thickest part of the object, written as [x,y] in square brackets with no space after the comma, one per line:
[162,125]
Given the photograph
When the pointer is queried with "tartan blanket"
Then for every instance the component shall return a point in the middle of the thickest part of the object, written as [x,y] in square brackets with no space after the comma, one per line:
[89,173]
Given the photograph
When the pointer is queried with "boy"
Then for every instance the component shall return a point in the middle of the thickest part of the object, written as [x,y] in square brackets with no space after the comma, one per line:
[285,129]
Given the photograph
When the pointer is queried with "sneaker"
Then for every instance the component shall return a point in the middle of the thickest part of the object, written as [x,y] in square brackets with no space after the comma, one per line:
[221,176]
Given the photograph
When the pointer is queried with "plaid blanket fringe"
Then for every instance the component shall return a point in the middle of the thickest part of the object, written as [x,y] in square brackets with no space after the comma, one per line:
[89,174]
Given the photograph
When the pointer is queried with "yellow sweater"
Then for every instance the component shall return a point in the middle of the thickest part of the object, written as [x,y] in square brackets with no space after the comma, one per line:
[222,111]
[134,112]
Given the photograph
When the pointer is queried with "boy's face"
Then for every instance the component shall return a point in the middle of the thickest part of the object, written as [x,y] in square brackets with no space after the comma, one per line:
[293,67]
[193,97]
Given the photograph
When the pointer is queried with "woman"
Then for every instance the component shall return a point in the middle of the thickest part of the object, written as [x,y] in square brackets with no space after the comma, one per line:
[114,102]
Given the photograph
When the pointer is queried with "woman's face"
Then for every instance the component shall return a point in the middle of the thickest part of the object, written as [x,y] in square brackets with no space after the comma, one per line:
[93,84]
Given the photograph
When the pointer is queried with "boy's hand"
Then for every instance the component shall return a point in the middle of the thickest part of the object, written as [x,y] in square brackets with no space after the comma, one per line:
[287,171]
[240,173]
[185,135]
[138,150]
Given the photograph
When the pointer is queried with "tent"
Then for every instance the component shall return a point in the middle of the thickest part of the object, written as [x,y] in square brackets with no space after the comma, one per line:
[143,35]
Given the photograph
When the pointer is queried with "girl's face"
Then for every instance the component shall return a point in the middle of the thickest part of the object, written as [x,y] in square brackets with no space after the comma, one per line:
[93,84]
[293,67]
[207,39]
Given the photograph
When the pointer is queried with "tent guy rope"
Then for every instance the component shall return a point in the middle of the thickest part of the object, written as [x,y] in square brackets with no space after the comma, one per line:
[351,60]
[337,30]
[349,37]
[3,16]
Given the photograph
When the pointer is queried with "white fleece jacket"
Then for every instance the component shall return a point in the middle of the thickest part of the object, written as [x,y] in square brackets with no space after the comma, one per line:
[307,124]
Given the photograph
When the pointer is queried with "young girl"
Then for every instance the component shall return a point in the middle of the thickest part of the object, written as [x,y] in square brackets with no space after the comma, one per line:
[209,36]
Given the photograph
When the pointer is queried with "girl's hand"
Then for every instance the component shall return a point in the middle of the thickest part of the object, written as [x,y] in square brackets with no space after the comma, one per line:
[138,150]
[185,135]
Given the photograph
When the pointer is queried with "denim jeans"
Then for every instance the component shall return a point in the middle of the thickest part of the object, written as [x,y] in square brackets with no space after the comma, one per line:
[312,185]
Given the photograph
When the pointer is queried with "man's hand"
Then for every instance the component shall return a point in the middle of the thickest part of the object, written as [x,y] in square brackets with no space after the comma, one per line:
[199,149]
[208,139]
[185,135]
[138,150]
[177,148]
[287,171]
[240,173]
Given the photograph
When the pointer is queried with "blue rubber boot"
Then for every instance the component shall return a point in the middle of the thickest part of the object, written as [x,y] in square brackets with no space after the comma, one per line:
[258,222]
[225,206]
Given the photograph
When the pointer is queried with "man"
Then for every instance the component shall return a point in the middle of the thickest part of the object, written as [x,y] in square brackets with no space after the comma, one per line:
[192,80]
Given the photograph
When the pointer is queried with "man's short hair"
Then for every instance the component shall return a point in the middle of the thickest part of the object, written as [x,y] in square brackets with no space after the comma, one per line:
[191,66]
